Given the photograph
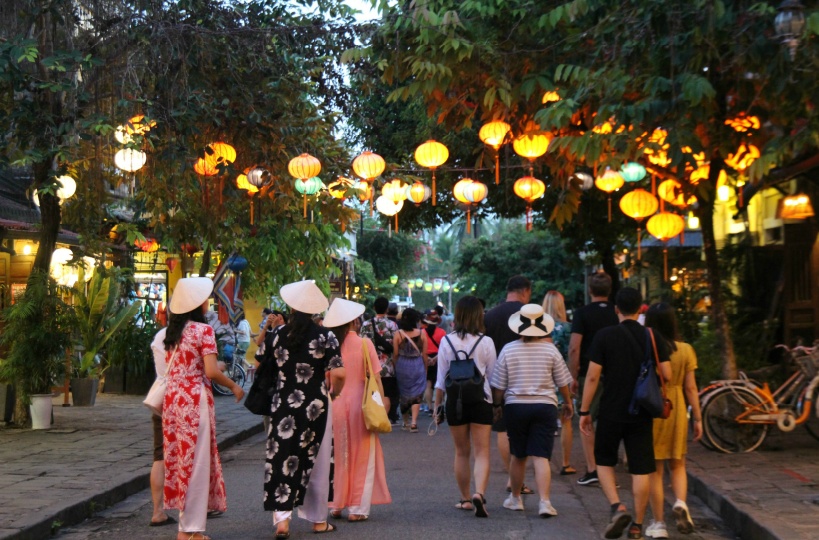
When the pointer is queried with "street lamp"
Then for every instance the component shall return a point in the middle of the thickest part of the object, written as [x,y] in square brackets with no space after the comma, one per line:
[789,23]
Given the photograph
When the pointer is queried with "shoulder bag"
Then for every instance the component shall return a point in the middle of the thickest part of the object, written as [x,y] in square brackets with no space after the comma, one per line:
[259,397]
[649,391]
[156,395]
[372,404]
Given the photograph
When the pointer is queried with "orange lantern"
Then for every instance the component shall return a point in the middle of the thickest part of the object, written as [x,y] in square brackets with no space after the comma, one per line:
[494,134]
[665,226]
[458,190]
[369,166]
[137,125]
[338,189]
[609,182]
[795,207]
[532,145]
[243,183]
[743,123]
[703,171]
[744,157]
[550,97]
[219,154]
[304,166]
[365,191]
[149,245]
[418,193]
[432,155]
[671,192]
[204,168]
[529,189]
[608,127]
[638,205]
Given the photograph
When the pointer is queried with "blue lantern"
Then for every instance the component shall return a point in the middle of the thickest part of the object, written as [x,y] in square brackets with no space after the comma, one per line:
[632,172]
[237,263]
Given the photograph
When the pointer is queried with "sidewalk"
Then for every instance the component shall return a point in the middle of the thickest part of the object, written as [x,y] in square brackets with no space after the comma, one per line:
[91,458]
[772,493]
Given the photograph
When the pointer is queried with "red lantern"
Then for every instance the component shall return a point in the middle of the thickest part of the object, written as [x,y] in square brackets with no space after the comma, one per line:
[171,263]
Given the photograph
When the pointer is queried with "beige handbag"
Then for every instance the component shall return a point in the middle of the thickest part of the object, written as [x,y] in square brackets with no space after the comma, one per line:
[156,395]
[372,405]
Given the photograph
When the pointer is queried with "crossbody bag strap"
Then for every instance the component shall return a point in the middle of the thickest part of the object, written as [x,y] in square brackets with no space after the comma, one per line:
[173,358]
[657,361]
[365,354]
[411,341]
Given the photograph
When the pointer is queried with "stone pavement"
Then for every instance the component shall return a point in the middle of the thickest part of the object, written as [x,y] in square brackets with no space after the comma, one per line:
[92,458]
[767,494]
[97,456]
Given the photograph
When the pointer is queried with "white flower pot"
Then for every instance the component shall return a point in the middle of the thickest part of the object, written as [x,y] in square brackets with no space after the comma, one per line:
[40,408]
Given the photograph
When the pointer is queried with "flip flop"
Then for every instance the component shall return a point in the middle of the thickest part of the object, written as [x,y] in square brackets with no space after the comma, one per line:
[525,490]
[167,521]
[213,514]
[335,514]
[354,518]
[461,505]
[328,528]
[567,470]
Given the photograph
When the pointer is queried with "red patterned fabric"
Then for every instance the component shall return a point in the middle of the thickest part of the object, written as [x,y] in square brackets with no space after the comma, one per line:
[180,419]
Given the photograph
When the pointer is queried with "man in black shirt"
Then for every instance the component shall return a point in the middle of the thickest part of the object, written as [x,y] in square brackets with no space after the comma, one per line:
[586,322]
[496,321]
[617,353]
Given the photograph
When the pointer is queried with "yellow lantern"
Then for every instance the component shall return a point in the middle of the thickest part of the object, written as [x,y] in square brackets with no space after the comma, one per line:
[304,166]
[609,182]
[532,145]
[219,154]
[665,226]
[743,123]
[529,189]
[671,192]
[395,191]
[703,171]
[638,205]
[744,157]
[470,193]
[432,155]
[365,191]
[369,166]
[494,134]
[418,193]
[338,189]
[607,127]
[658,157]
[243,183]
[458,190]
[550,97]
[796,207]
[138,126]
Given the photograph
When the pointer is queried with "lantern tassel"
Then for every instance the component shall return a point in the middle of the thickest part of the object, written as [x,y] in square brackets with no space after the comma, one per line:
[251,209]
[433,188]
[468,219]
[372,191]
[639,246]
[528,218]
[609,208]
[305,205]
[396,222]
[665,264]
[497,167]
[654,184]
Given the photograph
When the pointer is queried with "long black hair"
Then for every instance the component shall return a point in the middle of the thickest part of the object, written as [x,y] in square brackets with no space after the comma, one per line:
[409,319]
[662,318]
[297,328]
[176,325]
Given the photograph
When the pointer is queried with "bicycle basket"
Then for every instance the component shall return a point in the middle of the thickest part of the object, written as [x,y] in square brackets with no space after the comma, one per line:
[809,364]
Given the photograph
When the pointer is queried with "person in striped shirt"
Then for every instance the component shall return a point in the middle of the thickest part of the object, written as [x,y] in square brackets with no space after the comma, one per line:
[527,377]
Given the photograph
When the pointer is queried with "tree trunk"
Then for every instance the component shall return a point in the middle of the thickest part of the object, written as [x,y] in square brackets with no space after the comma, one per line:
[719,317]
[49,219]
[203,270]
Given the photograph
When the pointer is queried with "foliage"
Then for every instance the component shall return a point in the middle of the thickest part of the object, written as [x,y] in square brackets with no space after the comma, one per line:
[489,262]
[100,312]
[388,254]
[37,335]
[130,348]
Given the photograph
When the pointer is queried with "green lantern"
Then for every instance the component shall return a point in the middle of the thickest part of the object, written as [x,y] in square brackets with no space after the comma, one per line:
[419,283]
[428,286]
[393,279]
[311,186]
[446,286]
[410,284]
[632,172]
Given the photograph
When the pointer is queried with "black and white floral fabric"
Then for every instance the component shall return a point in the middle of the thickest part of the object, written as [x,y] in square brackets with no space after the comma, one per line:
[298,412]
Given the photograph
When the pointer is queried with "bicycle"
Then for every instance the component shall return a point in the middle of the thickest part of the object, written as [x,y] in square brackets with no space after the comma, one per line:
[233,369]
[737,414]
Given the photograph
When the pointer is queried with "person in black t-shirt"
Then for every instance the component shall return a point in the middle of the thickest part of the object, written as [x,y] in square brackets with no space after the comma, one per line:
[496,321]
[586,322]
[616,354]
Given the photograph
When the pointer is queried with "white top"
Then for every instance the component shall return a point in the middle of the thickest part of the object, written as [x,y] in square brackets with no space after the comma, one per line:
[243,331]
[530,372]
[158,349]
[484,357]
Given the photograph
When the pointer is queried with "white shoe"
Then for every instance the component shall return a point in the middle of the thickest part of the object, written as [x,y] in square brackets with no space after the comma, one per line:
[513,503]
[683,517]
[657,530]
[545,509]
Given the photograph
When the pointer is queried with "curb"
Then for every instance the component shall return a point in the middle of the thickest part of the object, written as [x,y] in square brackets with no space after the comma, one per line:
[74,512]
[739,521]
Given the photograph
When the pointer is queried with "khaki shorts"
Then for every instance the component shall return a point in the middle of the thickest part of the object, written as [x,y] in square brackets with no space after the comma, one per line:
[156,422]
[595,404]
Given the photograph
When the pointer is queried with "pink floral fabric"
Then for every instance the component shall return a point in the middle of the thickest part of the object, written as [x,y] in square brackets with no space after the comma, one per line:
[187,384]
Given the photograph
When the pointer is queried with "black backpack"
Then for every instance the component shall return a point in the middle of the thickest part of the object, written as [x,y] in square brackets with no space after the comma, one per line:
[464,381]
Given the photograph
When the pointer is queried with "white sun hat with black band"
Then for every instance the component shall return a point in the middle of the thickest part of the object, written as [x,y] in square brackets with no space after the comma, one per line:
[189,294]
[304,296]
[341,312]
[531,321]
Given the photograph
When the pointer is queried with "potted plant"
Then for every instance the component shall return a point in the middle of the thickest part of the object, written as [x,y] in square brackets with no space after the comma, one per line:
[100,312]
[130,359]
[37,336]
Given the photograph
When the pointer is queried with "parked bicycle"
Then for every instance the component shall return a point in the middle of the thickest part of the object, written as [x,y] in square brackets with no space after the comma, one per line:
[234,359]
[737,414]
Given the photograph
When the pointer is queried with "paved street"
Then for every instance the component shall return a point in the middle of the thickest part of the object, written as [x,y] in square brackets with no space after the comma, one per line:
[424,494]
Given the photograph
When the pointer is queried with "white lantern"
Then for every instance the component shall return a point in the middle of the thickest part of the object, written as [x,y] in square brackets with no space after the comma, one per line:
[387,206]
[121,135]
[130,160]
[69,187]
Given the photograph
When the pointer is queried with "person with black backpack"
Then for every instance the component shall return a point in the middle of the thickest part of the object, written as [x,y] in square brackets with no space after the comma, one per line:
[466,359]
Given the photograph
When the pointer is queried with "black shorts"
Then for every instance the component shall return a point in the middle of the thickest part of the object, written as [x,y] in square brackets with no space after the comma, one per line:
[531,429]
[432,373]
[156,423]
[474,413]
[637,438]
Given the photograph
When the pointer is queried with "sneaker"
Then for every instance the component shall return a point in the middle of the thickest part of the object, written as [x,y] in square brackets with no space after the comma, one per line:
[635,532]
[588,479]
[617,524]
[657,530]
[683,517]
[513,503]
[546,510]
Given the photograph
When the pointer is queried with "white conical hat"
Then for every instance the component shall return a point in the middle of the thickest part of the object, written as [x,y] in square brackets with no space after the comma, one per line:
[341,312]
[531,320]
[190,293]
[304,296]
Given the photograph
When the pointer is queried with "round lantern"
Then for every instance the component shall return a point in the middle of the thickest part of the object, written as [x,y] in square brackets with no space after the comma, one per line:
[61,256]
[202,167]
[364,190]
[632,172]
[458,190]
[220,154]
[368,166]
[585,179]
[237,263]
[338,189]
[471,193]
[494,134]
[476,192]
[130,160]
[550,97]
[149,245]
[671,192]
[703,171]
[395,191]
[418,192]
[138,126]
[665,226]
[743,123]
[258,177]
[389,208]
[419,283]
[309,186]
[529,189]
[428,286]
[394,279]
[609,182]
[446,286]
[744,157]
[532,145]
[432,155]
[607,127]
[638,205]
[243,183]
[304,166]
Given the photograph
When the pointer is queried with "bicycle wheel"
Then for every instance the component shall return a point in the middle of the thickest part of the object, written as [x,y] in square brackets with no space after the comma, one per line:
[812,423]
[720,425]
[705,396]
[236,374]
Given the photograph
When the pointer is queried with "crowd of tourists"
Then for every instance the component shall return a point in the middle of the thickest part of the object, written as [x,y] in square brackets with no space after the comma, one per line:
[519,369]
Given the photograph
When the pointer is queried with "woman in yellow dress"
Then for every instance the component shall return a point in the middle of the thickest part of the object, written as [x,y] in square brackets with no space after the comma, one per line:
[671,434]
